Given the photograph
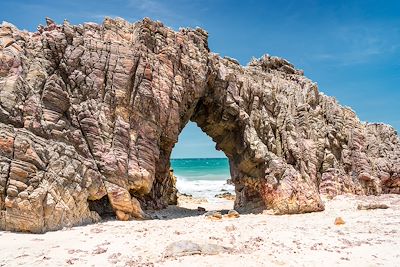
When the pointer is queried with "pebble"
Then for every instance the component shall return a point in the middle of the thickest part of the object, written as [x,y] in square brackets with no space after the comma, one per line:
[339,221]
[233,214]
[215,215]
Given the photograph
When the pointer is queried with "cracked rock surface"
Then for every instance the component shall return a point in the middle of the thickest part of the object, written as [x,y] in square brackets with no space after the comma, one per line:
[89,115]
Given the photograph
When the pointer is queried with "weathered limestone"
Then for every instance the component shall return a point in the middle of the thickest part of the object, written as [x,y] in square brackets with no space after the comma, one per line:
[89,115]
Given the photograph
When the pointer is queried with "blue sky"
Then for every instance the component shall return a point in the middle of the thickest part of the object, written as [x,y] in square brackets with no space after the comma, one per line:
[350,48]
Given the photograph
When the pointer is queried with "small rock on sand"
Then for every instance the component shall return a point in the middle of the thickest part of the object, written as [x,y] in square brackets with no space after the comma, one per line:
[339,221]
[232,214]
[188,247]
[214,215]
[226,195]
[372,206]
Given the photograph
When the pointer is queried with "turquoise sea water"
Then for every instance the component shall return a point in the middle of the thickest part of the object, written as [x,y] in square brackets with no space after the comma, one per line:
[202,177]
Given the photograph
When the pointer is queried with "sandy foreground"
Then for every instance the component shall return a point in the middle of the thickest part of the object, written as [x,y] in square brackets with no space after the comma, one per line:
[184,237]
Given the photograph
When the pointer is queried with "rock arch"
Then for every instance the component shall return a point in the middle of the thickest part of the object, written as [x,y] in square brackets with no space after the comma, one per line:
[90,114]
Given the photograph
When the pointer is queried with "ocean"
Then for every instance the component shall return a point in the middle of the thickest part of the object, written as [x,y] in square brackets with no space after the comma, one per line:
[202,177]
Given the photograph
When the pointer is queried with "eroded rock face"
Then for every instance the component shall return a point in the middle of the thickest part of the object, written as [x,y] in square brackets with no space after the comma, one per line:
[89,115]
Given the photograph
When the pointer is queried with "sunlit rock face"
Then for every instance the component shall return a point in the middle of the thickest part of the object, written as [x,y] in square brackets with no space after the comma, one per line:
[89,115]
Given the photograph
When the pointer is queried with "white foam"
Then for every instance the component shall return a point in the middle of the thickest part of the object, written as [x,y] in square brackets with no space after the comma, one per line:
[203,188]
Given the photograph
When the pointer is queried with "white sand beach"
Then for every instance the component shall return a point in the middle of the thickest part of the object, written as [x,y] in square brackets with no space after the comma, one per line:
[182,236]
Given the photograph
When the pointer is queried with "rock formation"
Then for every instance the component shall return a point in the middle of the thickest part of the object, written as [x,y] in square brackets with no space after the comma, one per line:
[89,115]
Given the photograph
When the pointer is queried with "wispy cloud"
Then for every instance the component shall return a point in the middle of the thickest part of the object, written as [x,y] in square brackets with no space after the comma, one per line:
[161,11]
[357,44]
[150,6]
[153,8]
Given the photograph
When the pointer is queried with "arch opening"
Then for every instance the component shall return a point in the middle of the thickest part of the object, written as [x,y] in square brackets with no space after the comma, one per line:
[202,172]
[219,119]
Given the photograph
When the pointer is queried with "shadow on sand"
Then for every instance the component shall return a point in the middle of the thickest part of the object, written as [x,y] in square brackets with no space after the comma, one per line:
[176,212]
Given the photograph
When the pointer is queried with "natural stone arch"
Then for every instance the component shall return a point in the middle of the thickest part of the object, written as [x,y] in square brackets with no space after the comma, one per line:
[227,112]
[89,115]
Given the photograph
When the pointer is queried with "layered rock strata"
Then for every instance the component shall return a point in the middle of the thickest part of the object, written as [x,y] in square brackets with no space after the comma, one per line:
[89,115]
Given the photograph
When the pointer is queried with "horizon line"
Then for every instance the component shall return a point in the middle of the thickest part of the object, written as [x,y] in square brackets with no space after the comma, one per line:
[202,158]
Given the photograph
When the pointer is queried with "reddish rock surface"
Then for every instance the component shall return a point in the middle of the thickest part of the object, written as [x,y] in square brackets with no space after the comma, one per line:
[89,115]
